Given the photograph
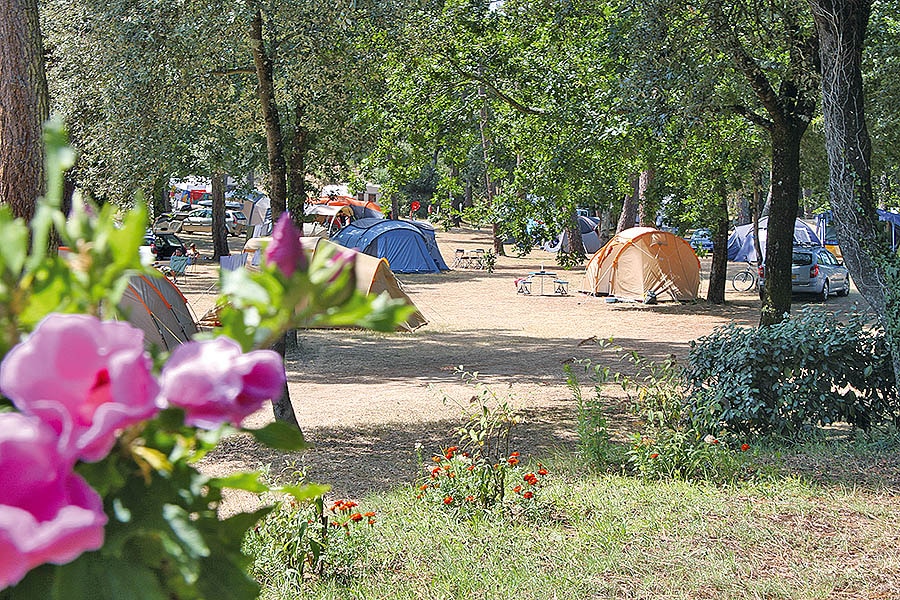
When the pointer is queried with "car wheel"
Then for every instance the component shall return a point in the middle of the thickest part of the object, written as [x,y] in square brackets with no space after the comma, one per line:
[825,291]
[846,290]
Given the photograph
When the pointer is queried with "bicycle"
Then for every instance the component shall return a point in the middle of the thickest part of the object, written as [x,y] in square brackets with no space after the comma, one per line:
[745,280]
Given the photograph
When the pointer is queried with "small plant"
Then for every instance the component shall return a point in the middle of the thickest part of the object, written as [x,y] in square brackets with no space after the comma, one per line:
[303,538]
[476,474]
[594,441]
[684,454]
[669,444]
[489,260]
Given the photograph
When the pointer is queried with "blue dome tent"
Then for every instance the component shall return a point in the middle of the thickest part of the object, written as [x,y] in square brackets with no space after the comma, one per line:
[740,242]
[408,246]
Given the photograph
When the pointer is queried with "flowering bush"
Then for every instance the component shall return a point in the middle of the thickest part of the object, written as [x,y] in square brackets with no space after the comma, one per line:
[481,472]
[99,497]
[469,483]
[310,539]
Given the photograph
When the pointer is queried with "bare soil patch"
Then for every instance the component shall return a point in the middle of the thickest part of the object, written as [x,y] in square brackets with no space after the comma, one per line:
[366,399]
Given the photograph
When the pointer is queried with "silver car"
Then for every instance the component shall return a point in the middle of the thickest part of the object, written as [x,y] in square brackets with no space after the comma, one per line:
[815,270]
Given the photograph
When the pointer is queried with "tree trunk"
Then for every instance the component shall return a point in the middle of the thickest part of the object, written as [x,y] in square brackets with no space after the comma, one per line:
[282,407]
[647,212]
[159,196]
[782,216]
[219,232]
[297,168]
[718,271]
[484,115]
[274,138]
[456,200]
[23,107]
[629,208]
[841,25]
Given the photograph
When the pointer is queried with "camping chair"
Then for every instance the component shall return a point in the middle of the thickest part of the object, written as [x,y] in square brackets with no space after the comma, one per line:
[458,258]
[178,266]
[233,262]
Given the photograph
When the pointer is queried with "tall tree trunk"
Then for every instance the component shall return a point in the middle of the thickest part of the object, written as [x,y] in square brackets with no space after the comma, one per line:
[780,227]
[629,208]
[841,25]
[274,137]
[484,115]
[23,106]
[159,195]
[456,200]
[219,233]
[282,407]
[756,211]
[719,268]
[297,167]
[646,209]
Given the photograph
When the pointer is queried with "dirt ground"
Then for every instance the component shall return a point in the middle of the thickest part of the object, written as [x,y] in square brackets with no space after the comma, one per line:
[366,399]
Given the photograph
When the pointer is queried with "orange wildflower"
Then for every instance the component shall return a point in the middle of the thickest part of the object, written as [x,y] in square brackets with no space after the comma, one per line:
[528,495]
[355,517]
[448,500]
[745,447]
[513,461]
[369,514]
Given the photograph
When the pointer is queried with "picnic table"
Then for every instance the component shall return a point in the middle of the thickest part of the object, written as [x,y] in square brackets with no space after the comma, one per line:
[560,287]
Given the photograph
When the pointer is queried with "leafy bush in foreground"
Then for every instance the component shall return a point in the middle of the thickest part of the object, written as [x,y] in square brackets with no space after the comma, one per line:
[787,379]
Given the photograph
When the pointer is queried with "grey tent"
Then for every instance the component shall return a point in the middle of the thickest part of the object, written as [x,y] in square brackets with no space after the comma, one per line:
[157,307]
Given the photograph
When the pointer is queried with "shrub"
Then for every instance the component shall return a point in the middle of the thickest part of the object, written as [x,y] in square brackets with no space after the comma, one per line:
[787,379]
[668,443]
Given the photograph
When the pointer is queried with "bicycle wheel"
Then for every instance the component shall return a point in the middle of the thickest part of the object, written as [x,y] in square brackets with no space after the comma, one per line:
[743,281]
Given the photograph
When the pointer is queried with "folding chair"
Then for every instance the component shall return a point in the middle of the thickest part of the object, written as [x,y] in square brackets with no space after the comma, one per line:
[178,266]
[458,259]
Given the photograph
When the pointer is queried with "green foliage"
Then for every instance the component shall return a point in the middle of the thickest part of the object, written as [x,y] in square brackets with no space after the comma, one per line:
[594,441]
[791,378]
[668,444]
[301,539]
[481,475]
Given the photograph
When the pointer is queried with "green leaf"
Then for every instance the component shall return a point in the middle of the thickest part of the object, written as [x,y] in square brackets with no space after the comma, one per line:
[241,481]
[281,436]
[183,527]
[305,493]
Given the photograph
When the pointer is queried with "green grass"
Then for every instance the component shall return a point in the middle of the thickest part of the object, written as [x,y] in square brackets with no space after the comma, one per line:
[613,536]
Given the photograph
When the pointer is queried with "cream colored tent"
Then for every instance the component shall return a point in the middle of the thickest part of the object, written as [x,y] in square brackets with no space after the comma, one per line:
[373,275]
[641,262]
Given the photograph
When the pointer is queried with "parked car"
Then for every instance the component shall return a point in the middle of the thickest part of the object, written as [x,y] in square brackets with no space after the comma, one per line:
[815,270]
[164,245]
[200,220]
[701,239]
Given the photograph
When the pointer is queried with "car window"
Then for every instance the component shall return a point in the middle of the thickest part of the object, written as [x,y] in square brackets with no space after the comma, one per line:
[825,258]
[831,257]
[801,259]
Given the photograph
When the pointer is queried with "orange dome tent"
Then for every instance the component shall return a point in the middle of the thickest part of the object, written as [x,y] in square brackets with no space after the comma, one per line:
[641,262]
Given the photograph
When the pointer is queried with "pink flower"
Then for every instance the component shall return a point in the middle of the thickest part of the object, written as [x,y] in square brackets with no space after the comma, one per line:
[215,383]
[83,377]
[47,513]
[285,250]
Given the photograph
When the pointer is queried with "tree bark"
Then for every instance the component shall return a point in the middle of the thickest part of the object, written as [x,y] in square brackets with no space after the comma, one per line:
[219,233]
[841,25]
[629,208]
[297,166]
[23,107]
[282,407]
[484,115]
[646,212]
[719,268]
[782,217]
[274,136]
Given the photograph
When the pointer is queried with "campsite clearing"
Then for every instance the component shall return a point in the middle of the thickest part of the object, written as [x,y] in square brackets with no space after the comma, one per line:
[366,399]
